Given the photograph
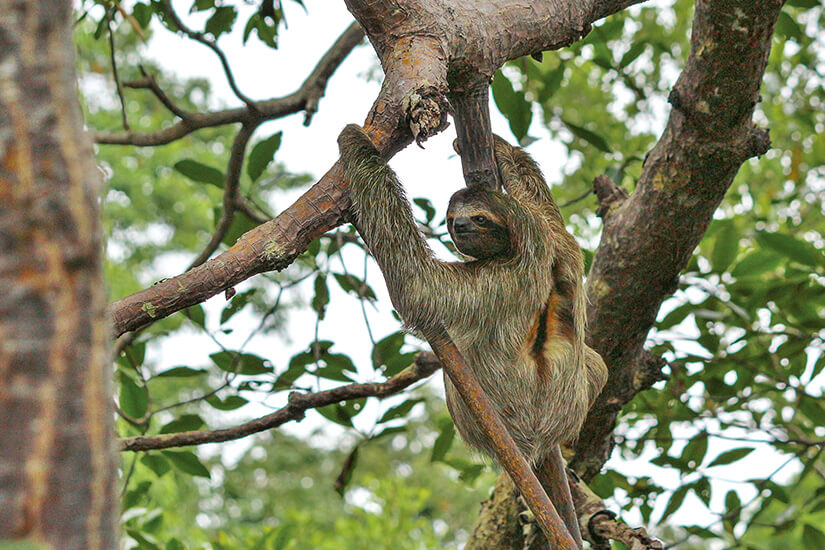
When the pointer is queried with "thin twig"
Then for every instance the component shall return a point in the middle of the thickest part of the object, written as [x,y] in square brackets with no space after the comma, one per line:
[304,98]
[230,193]
[118,86]
[148,82]
[212,45]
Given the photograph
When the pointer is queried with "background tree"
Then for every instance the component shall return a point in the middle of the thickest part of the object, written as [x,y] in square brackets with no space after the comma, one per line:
[742,336]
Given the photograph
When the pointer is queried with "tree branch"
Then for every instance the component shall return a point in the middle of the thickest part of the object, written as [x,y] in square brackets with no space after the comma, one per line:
[212,45]
[649,238]
[425,365]
[148,82]
[304,98]
[230,193]
[599,525]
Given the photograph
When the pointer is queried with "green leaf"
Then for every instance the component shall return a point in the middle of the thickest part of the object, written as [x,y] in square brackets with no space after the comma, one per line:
[262,154]
[134,355]
[135,495]
[731,456]
[143,539]
[283,537]
[399,410]
[675,316]
[267,33]
[133,399]
[184,423]
[694,451]
[241,363]
[399,362]
[590,137]
[552,83]
[797,250]
[812,537]
[354,285]
[726,246]
[199,172]
[236,304]
[630,55]
[180,372]
[427,207]
[788,28]
[674,503]
[297,367]
[701,488]
[337,413]
[444,441]
[756,264]
[335,364]
[142,14]
[733,510]
[229,404]
[221,21]
[339,361]
[813,408]
[804,4]
[174,544]
[389,431]
[156,463]
[513,105]
[345,476]
[321,298]
[187,462]
[196,315]
[203,5]
[387,348]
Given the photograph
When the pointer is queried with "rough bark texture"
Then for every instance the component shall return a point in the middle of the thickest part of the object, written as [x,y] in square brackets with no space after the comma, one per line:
[649,238]
[503,529]
[57,460]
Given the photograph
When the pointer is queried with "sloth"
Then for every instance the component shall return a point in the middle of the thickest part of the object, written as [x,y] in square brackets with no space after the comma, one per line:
[515,309]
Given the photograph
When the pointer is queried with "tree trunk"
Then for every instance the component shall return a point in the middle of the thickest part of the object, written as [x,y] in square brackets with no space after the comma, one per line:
[57,465]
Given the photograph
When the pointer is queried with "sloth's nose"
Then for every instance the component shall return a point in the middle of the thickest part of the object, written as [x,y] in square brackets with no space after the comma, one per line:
[462,225]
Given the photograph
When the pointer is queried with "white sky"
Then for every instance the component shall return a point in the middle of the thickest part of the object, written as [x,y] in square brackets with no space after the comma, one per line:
[435,172]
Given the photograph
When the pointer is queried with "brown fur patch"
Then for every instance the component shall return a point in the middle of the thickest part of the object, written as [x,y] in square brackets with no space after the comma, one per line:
[555,320]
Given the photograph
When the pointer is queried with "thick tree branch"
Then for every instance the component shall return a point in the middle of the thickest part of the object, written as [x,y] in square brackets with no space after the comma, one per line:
[477,39]
[425,365]
[304,98]
[649,237]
